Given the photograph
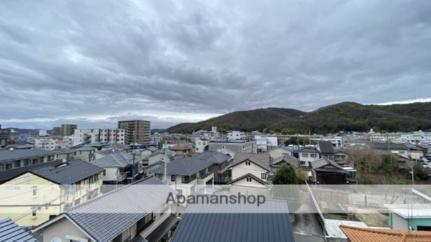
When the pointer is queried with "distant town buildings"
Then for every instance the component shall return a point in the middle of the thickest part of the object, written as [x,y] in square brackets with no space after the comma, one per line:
[136,131]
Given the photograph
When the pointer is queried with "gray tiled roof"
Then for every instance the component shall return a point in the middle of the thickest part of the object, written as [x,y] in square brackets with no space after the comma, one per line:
[10,155]
[191,165]
[10,232]
[263,160]
[251,227]
[114,159]
[9,174]
[323,162]
[107,216]
[326,147]
[69,172]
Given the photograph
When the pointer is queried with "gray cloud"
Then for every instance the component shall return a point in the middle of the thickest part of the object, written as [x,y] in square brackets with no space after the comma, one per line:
[93,62]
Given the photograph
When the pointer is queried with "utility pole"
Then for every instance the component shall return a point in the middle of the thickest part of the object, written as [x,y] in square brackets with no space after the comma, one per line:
[133,167]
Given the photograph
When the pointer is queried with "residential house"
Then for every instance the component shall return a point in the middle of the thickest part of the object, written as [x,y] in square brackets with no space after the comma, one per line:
[136,212]
[186,174]
[119,166]
[280,152]
[11,232]
[34,194]
[325,171]
[409,217]
[355,234]
[200,144]
[308,155]
[250,169]
[5,137]
[326,150]
[182,149]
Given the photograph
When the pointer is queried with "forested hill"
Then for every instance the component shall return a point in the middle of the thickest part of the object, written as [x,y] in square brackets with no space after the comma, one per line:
[346,116]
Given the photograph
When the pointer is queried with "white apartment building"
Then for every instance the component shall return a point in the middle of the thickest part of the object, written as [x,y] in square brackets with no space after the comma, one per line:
[265,143]
[104,136]
[48,143]
[45,143]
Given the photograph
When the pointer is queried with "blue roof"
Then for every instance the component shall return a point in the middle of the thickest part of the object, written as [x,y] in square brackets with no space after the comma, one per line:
[11,232]
[251,227]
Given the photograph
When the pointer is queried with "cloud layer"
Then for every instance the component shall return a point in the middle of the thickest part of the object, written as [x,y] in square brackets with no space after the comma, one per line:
[94,62]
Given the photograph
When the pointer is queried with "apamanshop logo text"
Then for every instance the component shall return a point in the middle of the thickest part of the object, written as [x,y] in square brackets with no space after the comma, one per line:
[238,198]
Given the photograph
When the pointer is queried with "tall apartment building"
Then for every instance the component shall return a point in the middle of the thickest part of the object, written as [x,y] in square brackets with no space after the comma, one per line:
[67,129]
[5,137]
[136,131]
[104,136]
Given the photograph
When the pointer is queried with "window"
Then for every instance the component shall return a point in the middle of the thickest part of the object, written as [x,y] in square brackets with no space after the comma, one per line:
[305,155]
[263,176]
[34,189]
[313,155]
[248,179]
[173,178]
[33,212]
[247,163]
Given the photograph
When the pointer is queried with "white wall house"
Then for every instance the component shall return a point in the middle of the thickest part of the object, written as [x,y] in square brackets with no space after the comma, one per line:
[250,170]
[200,144]
[236,135]
[308,155]
[105,136]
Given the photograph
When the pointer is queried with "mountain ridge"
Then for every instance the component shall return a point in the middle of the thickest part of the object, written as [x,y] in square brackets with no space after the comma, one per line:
[344,116]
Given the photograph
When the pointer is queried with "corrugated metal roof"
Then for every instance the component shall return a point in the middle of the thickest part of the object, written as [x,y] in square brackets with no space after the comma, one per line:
[107,216]
[11,232]
[114,159]
[69,172]
[10,155]
[251,227]
[326,147]
[9,174]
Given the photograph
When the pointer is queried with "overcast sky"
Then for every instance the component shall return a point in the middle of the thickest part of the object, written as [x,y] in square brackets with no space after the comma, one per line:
[94,62]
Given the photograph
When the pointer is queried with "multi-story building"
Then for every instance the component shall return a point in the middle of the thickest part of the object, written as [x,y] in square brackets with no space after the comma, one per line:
[236,135]
[104,136]
[67,129]
[4,137]
[34,194]
[233,147]
[45,143]
[136,131]
[265,143]
[19,158]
